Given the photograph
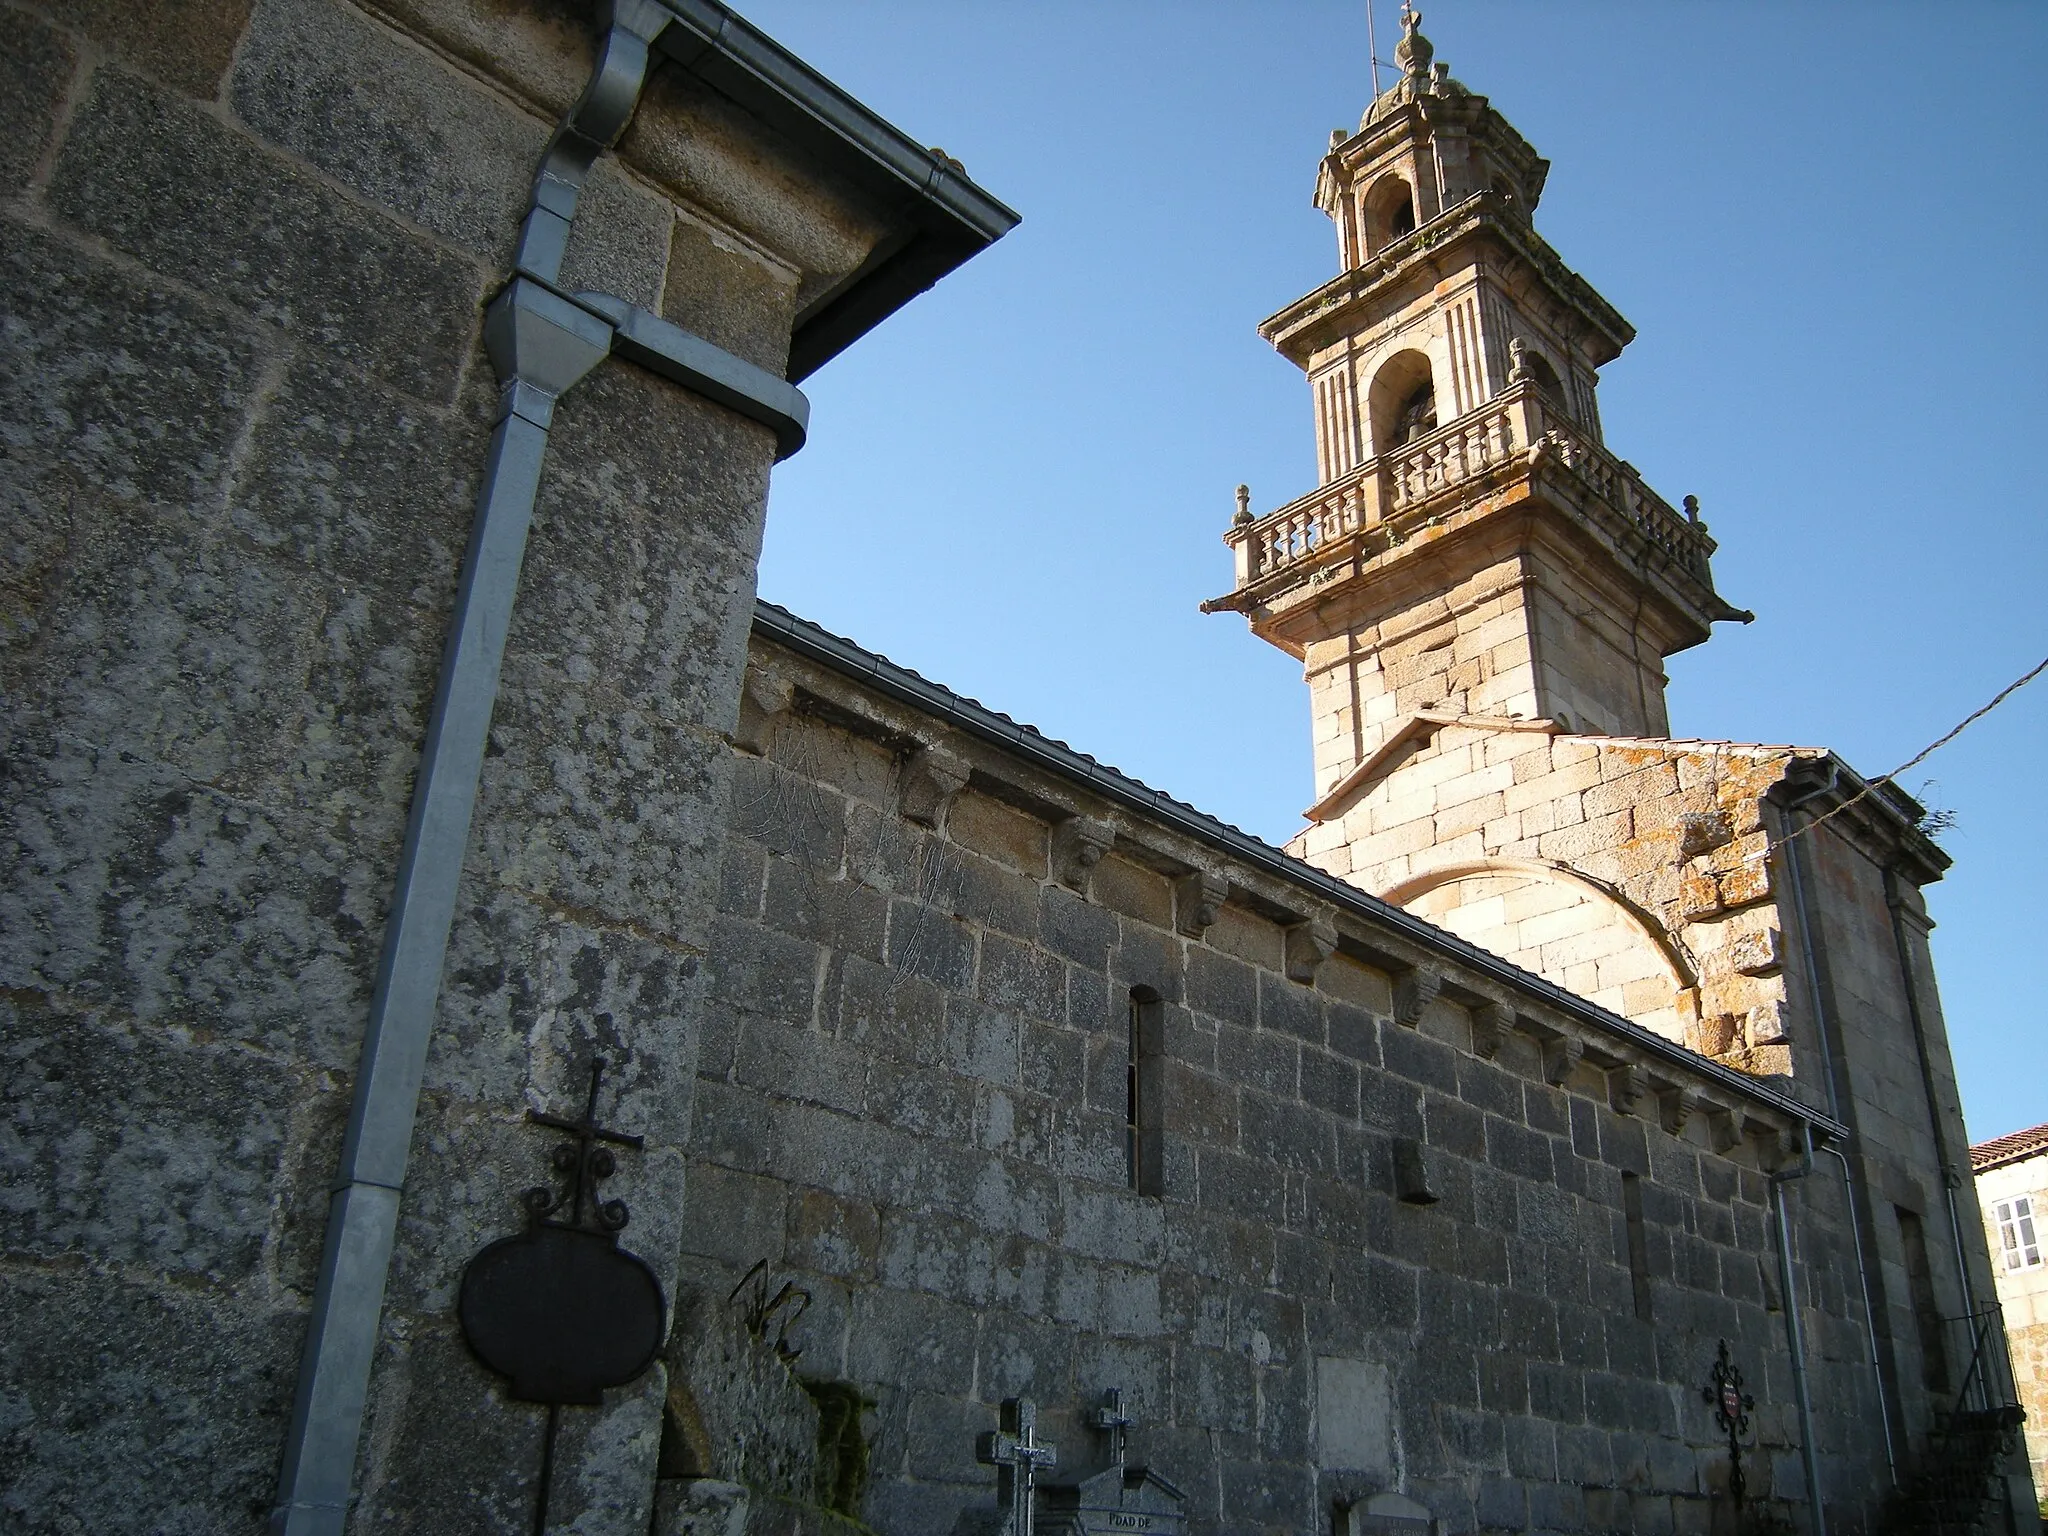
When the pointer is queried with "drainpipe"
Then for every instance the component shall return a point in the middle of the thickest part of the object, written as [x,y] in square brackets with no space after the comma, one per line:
[1951,1179]
[1809,1455]
[1891,1454]
[1795,872]
[541,341]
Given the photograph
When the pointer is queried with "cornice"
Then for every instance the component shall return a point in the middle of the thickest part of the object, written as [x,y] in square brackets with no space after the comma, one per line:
[1299,329]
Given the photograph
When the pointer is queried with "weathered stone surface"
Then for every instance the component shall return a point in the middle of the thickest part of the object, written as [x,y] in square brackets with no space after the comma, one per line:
[323,81]
[343,476]
[164,1154]
[176,189]
[35,70]
[138,890]
[106,1375]
[113,384]
[184,43]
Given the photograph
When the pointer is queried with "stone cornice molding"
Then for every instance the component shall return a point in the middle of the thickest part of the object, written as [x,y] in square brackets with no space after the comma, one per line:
[1312,321]
[873,695]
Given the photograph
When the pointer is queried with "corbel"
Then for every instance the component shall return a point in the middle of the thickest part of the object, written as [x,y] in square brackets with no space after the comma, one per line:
[1078,844]
[931,777]
[1413,994]
[1309,944]
[1418,1172]
[1625,1087]
[766,694]
[1724,1125]
[1560,1056]
[1675,1109]
[1773,1145]
[1491,1022]
[1197,897]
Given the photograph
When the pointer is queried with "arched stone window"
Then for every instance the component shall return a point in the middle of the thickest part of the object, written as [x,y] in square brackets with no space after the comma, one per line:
[1543,374]
[1402,401]
[1387,213]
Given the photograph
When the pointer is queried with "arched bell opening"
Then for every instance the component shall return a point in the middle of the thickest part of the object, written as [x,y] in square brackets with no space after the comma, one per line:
[1402,401]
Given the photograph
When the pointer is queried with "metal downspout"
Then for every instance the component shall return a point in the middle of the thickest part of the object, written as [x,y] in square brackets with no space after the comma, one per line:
[1795,871]
[1951,1179]
[1884,1418]
[540,345]
[1809,1454]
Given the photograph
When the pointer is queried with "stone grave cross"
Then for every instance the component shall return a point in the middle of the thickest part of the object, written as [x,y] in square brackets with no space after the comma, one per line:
[1015,1453]
[1111,1419]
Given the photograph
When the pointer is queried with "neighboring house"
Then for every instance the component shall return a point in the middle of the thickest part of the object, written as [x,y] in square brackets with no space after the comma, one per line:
[2012,1188]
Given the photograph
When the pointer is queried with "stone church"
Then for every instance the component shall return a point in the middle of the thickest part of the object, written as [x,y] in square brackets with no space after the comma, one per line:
[504,1032]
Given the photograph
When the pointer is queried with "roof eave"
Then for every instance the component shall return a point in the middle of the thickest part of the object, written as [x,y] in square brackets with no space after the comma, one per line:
[947,219]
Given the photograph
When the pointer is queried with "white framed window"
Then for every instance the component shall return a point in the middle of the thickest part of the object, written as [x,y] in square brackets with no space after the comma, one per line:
[2019,1241]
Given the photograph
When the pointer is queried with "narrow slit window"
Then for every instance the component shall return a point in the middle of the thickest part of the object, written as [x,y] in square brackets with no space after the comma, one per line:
[1638,1243]
[1143,1112]
[1926,1310]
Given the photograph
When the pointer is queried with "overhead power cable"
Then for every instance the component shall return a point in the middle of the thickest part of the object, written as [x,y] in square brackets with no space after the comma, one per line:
[1924,753]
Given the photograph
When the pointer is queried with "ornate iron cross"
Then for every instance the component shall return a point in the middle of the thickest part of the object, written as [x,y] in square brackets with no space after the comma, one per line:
[1731,1412]
[561,1309]
[1111,1419]
[1015,1453]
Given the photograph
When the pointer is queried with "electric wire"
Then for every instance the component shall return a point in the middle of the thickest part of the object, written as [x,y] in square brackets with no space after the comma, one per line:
[1922,755]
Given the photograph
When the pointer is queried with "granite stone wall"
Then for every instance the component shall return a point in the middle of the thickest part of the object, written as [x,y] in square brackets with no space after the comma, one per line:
[912,1102]
[243,413]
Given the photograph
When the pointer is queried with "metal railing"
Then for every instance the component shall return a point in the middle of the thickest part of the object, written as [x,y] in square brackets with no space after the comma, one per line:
[1978,1339]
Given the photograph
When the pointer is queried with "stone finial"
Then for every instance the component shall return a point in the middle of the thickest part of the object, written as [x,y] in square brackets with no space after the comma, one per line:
[1625,1088]
[1491,1022]
[766,694]
[1414,52]
[1518,361]
[1078,844]
[1309,944]
[1197,898]
[1413,994]
[1675,1108]
[1244,507]
[1338,136]
[1560,1056]
[932,776]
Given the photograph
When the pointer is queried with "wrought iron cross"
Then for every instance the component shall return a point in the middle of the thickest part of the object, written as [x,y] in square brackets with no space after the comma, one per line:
[584,1162]
[1015,1453]
[1731,1412]
[1111,1419]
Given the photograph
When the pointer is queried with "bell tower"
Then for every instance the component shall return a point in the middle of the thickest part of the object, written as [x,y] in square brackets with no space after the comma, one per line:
[1472,548]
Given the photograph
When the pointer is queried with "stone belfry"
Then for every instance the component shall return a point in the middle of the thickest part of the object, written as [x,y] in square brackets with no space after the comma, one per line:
[1472,548]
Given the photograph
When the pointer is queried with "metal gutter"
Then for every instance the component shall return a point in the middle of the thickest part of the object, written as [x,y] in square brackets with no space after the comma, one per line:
[1795,1341]
[907,687]
[1823,1023]
[542,341]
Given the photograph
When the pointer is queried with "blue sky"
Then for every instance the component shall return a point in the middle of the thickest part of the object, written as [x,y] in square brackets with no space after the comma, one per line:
[1825,221]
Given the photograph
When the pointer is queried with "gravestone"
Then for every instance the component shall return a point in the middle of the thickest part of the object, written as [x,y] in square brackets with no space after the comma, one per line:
[1119,1498]
[1123,1499]
[1385,1514]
